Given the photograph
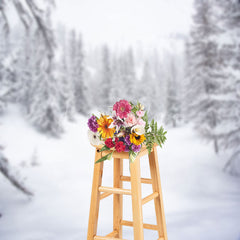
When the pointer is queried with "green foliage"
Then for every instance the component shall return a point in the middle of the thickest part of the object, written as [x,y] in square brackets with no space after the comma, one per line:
[104,148]
[153,134]
[135,108]
[132,155]
[106,157]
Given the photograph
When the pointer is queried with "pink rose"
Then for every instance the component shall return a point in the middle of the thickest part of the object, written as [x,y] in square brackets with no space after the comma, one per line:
[140,113]
[141,122]
[130,120]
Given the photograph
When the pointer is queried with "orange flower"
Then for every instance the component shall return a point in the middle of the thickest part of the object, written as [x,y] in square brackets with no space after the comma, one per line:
[104,122]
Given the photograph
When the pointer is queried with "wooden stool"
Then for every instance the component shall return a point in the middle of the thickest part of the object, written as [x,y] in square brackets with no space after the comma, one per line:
[100,192]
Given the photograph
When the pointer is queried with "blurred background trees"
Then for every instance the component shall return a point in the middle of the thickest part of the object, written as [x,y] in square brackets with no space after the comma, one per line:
[51,74]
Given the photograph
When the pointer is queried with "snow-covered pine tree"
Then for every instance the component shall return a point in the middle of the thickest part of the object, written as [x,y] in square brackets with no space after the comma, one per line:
[105,81]
[2,71]
[115,87]
[228,96]
[146,91]
[172,111]
[159,84]
[45,110]
[66,91]
[131,72]
[127,69]
[203,82]
[77,73]
[23,70]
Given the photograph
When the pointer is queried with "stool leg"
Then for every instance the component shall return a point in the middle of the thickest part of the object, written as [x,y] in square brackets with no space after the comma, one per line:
[95,197]
[156,185]
[136,199]
[117,198]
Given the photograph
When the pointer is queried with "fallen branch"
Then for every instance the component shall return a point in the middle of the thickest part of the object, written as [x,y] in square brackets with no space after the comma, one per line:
[7,172]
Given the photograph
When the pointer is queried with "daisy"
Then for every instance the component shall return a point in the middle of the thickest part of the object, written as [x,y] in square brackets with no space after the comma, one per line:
[104,126]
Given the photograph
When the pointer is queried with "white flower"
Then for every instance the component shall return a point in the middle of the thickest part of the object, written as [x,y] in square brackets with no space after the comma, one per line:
[138,129]
[94,138]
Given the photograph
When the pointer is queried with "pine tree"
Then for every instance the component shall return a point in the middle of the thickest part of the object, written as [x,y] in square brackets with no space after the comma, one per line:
[106,78]
[228,97]
[66,91]
[77,73]
[202,74]
[172,101]
[2,72]
[127,75]
[45,109]
[23,68]
[146,92]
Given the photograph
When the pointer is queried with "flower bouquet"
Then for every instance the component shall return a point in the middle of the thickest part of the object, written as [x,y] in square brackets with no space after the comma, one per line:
[126,130]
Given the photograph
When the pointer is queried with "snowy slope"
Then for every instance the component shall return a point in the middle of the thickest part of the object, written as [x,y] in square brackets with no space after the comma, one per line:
[201,201]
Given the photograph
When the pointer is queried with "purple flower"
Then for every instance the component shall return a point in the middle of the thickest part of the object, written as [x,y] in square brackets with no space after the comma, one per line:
[117,121]
[127,140]
[126,148]
[92,123]
[136,148]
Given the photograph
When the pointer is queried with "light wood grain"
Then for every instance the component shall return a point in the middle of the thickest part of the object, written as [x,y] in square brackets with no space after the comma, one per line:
[106,238]
[104,195]
[95,197]
[158,202]
[115,190]
[136,200]
[135,192]
[143,180]
[149,197]
[117,198]
[145,225]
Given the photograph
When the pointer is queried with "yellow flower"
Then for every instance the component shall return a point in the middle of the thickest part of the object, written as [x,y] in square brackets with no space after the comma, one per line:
[104,122]
[137,139]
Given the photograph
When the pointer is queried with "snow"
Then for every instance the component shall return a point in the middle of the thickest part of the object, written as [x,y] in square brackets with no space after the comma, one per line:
[200,200]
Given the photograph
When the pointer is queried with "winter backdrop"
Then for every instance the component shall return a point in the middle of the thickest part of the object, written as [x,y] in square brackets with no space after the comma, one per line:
[62,60]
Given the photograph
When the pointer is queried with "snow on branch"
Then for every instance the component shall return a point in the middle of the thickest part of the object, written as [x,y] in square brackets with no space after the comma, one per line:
[7,172]
[28,10]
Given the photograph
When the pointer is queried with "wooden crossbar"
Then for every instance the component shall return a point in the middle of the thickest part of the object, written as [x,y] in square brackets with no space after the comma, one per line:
[112,234]
[161,238]
[145,225]
[106,238]
[149,197]
[104,195]
[143,180]
[114,190]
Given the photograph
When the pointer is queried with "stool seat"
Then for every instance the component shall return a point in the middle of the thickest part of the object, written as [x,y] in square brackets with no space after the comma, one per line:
[124,155]
[100,192]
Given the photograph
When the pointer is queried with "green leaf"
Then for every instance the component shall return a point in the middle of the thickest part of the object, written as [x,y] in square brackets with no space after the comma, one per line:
[104,148]
[106,157]
[132,156]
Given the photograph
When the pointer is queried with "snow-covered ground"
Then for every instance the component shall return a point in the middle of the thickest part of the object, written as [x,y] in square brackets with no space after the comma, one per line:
[200,200]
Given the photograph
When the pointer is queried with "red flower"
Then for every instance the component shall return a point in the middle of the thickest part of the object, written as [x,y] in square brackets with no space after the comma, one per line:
[109,143]
[120,147]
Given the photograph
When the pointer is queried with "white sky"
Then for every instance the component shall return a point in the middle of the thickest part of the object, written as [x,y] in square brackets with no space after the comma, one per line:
[125,22]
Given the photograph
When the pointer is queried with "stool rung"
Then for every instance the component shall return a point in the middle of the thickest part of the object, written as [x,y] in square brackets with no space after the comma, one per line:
[104,195]
[105,238]
[161,238]
[112,234]
[145,225]
[149,197]
[143,180]
[114,190]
